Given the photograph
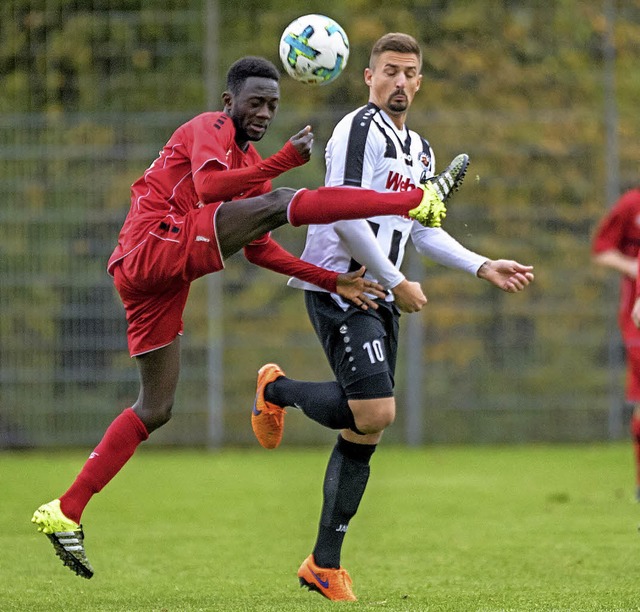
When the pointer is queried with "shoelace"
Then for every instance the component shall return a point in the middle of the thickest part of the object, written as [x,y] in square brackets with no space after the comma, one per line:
[345,581]
[276,411]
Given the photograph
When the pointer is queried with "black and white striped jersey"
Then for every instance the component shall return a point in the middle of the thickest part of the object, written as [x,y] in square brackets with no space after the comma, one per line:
[367,150]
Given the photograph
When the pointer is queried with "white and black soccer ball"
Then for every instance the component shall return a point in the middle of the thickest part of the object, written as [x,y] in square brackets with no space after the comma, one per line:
[314,49]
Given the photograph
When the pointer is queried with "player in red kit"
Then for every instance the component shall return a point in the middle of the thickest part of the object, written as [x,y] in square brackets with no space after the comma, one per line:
[206,196]
[616,245]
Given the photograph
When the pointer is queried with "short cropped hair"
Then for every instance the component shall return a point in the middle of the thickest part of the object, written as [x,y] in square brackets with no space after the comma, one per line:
[249,66]
[398,42]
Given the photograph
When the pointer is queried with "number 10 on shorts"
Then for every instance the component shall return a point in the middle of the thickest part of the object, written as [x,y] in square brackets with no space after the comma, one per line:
[374,350]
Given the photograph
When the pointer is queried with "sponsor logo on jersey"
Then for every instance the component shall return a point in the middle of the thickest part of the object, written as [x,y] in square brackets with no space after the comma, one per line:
[398,182]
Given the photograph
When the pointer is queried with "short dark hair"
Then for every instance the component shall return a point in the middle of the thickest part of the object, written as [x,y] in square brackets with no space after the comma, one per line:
[249,66]
[398,42]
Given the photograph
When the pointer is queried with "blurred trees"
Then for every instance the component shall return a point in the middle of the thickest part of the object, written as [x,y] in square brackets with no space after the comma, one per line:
[92,88]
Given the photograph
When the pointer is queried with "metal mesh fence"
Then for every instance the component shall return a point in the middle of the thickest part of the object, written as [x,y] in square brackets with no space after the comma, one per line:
[545,364]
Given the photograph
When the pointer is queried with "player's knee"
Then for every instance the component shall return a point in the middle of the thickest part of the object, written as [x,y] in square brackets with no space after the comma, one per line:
[156,416]
[377,420]
[165,414]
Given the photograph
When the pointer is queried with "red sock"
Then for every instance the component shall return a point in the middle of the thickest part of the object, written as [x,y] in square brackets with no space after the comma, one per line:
[329,204]
[635,436]
[116,447]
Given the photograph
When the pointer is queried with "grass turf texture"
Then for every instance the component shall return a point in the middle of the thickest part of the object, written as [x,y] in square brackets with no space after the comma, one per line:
[463,528]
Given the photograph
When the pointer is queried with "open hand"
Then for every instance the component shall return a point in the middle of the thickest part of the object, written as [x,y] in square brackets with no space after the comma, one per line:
[508,275]
[353,287]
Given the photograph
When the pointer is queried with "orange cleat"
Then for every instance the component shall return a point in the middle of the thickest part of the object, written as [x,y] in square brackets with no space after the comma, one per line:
[334,584]
[267,419]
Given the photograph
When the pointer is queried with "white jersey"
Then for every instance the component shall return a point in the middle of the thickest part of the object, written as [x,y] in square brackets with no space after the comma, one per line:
[366,150]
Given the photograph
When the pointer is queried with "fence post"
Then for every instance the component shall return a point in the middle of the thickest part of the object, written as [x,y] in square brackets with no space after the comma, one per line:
[215,303]
[612,192]
[415,367]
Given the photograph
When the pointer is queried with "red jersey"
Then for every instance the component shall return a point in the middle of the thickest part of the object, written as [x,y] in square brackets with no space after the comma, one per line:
[620,230]
[174,181]
[202,164]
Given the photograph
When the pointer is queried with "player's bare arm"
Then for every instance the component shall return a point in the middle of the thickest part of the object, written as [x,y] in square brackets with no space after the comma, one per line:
[303,142]
[506,274]
[635,313]
[408,296]
[354,287]
[617,261]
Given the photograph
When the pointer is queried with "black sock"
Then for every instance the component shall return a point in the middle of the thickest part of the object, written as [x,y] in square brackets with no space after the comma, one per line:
[344,484]
[324,402]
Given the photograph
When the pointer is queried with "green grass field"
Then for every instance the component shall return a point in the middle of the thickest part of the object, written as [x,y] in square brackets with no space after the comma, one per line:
[463,528]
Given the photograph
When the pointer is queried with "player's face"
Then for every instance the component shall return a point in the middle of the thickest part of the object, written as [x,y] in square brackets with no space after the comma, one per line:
[253,108]
[393,81]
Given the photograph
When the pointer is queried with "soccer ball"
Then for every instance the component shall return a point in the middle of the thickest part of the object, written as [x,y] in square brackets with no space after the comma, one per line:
[314,49]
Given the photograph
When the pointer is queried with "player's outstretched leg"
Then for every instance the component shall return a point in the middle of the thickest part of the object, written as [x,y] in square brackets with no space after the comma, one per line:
[424,204]
[66,536]
[334,584]
[437,190]
[267,419]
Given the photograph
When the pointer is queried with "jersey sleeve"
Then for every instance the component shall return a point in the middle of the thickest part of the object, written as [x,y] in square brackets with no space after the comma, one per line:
[365,249]
[267,253]
[441,247]
[610,233]
[215,186]
[211,141]
[213,177]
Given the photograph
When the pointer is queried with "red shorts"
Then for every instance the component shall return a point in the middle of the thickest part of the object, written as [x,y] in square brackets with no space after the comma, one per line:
[632,392]
[631,338]
[153,280]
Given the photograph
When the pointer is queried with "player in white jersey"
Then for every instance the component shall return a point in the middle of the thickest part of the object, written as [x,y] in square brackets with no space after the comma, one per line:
[370,148]
[367,149]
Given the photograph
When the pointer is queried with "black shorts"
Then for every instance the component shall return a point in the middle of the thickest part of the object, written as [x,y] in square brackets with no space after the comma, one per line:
[361,345]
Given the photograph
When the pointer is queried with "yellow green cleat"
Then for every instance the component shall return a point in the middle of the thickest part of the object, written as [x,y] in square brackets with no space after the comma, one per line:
[437,190]
[66,536]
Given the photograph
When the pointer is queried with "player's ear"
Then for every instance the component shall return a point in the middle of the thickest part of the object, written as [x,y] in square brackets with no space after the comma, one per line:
[227,99]
[367,76]
[419,82]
